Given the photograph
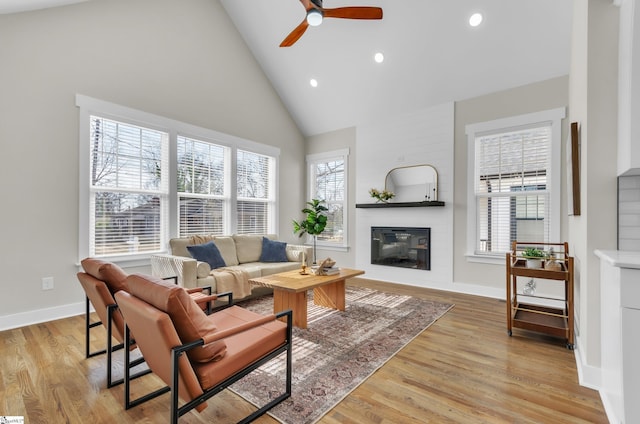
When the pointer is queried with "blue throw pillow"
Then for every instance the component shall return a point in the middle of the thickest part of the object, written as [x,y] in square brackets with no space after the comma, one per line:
[273,251]
[208,253]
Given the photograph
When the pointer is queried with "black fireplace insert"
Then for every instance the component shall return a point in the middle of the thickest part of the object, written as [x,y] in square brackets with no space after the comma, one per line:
[404,247]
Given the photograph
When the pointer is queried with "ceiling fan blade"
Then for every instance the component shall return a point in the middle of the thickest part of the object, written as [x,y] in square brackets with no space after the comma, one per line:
[295,34]
[307,4]
[354,12]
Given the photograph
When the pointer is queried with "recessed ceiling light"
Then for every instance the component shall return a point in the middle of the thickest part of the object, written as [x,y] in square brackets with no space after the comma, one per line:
[378,57]
[475,19]
[313,82]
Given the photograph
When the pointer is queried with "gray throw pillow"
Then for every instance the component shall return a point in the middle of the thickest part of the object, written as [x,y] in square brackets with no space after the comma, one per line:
[207,252]
[273,251]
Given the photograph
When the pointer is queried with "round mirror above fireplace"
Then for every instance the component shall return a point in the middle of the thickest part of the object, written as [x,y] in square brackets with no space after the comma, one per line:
[416,183]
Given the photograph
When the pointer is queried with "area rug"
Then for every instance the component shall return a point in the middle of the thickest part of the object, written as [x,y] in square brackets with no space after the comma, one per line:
[338,350]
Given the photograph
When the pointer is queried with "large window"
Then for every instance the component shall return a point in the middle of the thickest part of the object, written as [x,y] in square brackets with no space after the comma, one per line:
[145,178]
[128,187]
[202,188]
[514,182]
[255,201]
[327,180]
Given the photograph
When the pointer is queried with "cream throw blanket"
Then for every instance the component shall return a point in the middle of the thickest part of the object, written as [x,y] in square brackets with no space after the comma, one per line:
[233,280]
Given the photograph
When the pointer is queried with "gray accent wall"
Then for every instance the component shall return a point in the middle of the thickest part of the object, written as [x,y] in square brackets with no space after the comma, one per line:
[489,279]
[158,56]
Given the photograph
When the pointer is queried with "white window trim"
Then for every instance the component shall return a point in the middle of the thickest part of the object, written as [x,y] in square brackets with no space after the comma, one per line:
[324,156]
[273,184]
[91,106]
[551,116]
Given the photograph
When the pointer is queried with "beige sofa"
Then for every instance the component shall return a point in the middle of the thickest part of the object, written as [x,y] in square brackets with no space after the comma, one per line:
[241,252]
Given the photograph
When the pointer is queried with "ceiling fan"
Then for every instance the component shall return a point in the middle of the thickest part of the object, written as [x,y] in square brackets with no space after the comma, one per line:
[315,14]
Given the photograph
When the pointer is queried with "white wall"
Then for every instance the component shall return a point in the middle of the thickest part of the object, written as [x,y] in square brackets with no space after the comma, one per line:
[629,89]
[483,279]
[181,60]
[593,104]
[629,213]
[421,137]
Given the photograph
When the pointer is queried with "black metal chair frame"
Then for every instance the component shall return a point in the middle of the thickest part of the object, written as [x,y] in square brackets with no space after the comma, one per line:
[110,346]
[114,348]
[176,352]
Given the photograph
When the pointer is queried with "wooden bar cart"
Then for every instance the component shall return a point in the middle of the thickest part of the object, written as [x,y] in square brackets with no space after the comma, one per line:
[537,313]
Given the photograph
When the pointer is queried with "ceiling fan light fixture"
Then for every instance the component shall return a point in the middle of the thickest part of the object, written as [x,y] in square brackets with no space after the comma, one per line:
[314,17]
[315,14]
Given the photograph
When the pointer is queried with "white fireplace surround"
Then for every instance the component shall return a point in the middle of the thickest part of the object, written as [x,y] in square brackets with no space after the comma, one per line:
[421,137]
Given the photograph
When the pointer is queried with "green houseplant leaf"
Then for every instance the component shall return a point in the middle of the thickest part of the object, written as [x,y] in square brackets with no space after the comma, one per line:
[314,222]
[532,252]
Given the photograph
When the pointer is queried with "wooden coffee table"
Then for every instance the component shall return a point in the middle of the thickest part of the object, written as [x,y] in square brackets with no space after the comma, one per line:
[290,291]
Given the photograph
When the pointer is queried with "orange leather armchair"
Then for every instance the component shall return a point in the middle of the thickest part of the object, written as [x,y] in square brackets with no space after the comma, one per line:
[100,281]
[195,354]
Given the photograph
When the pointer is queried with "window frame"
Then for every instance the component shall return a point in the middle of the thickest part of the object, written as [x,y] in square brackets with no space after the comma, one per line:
[89,106]
[224,197]
[312,160]
[551,117]
[269,200]
[119,155]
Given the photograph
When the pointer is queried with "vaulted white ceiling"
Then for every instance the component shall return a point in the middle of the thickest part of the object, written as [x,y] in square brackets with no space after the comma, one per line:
[432,55]
[13,6]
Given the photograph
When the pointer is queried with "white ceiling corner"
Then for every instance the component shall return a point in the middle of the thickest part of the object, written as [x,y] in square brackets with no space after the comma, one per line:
[15,6]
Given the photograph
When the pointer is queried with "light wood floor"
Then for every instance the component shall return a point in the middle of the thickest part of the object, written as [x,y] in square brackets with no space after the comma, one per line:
[463,369]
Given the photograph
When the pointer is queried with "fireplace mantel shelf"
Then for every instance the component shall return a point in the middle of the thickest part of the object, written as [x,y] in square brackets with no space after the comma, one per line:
[401,204]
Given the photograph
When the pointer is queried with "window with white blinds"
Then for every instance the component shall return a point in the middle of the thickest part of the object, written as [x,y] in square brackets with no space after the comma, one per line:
[255,183]
[328,177]
[514,182]
[144,179]
[128,187]
[202,200]
[512,193]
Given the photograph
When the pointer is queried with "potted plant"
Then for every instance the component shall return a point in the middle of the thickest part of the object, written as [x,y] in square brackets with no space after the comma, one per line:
[381,196]
[314,223]
[533,256]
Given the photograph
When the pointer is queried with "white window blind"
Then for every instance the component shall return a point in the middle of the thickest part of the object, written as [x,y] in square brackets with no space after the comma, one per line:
[512,190]
[329,186]
[328,182]
[255,192]
[202,187]
[128,187]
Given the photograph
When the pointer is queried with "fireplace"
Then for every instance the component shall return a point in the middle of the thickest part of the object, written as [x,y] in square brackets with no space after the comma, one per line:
[404,247]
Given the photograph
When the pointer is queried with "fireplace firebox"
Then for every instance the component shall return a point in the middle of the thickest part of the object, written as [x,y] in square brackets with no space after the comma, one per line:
[404,247]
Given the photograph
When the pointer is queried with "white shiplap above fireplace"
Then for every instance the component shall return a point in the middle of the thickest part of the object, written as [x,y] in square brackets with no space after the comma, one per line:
[421,137]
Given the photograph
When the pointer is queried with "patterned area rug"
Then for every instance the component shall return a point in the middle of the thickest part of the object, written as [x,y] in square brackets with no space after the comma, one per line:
[338,350]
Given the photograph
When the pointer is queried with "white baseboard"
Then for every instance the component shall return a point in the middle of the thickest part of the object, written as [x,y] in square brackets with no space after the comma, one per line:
[591,377]
[22,319]
[479,290]
[588,375]
[607,403]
